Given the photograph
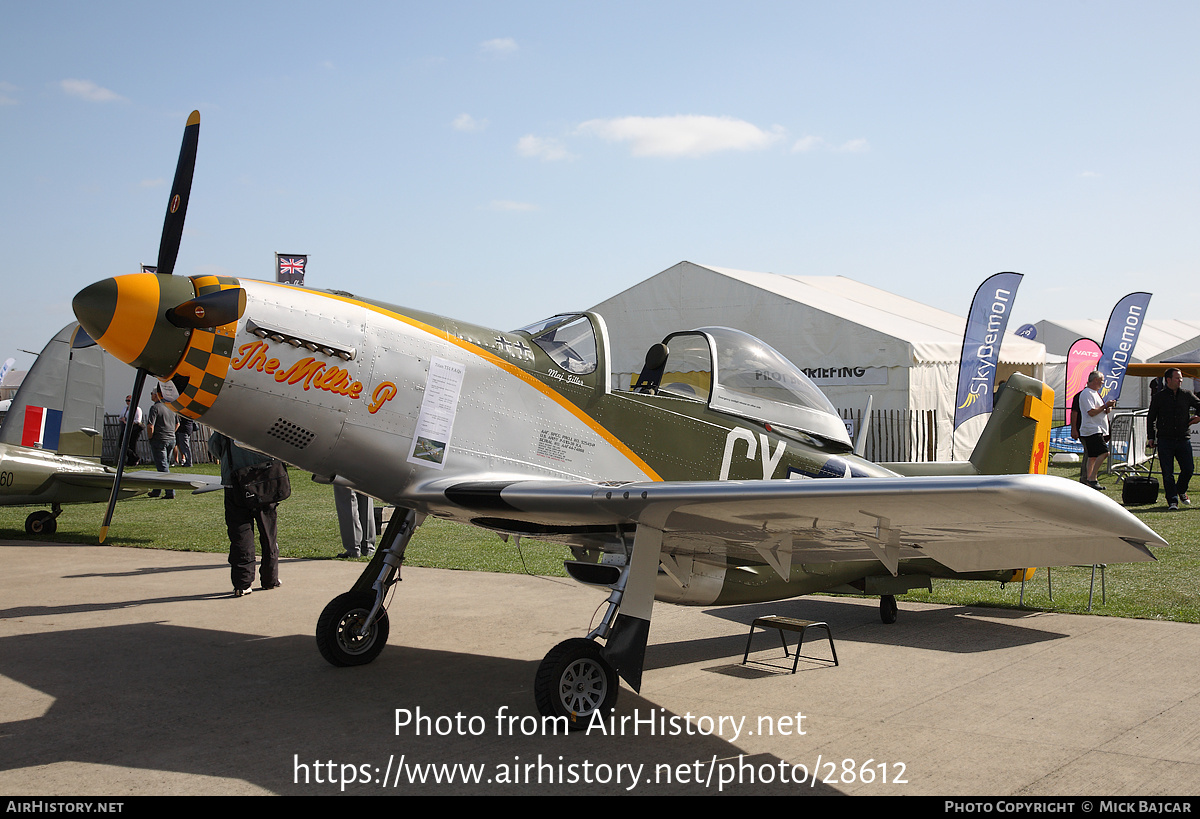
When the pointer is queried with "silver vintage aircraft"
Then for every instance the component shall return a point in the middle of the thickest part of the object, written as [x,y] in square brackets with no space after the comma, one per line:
[50,440]
[722,476]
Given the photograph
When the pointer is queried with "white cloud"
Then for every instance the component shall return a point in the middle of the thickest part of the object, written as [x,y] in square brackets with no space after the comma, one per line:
[152,183]
[509,205]
[1089,175]
[682,135]
[499,47]
[466,122]
[808,143]
[88,90]
[549,150]
[8,93]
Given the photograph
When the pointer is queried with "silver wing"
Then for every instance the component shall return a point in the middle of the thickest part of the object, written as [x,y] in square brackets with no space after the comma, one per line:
[967,524]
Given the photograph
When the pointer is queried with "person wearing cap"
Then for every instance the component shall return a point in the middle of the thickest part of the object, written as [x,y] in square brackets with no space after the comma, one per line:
[160,426]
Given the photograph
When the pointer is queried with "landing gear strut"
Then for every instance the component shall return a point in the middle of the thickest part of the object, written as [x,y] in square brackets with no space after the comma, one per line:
[353,628]
[580,676]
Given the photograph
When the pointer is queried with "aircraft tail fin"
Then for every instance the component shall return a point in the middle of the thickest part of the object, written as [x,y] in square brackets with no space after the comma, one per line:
[60,404]
[1017,436]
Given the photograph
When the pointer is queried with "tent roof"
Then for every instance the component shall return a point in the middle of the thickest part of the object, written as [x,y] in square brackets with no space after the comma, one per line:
[922,333]
[1157,336]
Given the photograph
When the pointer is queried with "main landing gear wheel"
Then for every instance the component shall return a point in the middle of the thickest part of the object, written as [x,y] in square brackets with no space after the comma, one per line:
[338,629]
[888,608]
[41,523]
[574,681]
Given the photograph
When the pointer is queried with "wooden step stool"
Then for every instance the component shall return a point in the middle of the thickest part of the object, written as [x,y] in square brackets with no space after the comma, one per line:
[783,624]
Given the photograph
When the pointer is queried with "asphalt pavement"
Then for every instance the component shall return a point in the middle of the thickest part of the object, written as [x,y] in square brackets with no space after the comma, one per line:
[130,672]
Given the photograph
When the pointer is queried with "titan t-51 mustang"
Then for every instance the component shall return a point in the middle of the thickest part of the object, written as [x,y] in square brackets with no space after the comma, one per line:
[722,476]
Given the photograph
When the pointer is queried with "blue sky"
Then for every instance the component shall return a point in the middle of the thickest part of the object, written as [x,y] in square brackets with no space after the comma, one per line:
[503,161]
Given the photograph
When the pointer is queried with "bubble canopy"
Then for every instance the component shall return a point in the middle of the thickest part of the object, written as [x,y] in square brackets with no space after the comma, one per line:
[730,370]
[753,379]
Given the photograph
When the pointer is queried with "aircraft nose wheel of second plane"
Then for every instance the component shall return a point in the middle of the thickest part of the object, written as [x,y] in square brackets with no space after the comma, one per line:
[340,635]
[574,681]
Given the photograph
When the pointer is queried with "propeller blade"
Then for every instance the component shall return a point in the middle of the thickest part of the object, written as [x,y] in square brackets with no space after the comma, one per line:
[138,380]
[211,310]
[181,189]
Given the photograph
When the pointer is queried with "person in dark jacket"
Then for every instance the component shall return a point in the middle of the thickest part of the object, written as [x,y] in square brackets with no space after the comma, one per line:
[1172,411]
[240,521]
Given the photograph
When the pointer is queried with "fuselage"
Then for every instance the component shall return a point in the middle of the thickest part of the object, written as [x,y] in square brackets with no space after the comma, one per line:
[338,386]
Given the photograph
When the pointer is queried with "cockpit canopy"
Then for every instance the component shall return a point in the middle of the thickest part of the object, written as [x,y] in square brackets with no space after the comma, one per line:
[736,373]
[569,340]
[729,370]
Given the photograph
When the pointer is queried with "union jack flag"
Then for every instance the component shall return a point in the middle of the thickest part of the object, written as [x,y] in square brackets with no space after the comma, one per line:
[289,269]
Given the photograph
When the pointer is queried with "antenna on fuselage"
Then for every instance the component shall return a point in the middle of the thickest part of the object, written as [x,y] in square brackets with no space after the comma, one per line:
[860,443]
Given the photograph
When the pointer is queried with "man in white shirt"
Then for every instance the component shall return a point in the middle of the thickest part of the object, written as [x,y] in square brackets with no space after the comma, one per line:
[132,458]
[1093,426]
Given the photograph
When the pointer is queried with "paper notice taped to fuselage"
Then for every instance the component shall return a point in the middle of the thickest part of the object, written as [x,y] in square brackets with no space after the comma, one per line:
[436,420]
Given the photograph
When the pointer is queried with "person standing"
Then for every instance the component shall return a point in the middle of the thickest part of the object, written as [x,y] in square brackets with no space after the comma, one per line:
[356,521]
[1167,423]
[183,441]
[160,426]
[1093,426]
[131,456]
[241,519]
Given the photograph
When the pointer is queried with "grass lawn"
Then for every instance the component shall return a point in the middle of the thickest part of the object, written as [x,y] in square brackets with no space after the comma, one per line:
[1162,590]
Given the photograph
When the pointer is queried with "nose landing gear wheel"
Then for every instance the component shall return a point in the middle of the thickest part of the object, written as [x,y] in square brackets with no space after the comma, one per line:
[338,630]
[575,681]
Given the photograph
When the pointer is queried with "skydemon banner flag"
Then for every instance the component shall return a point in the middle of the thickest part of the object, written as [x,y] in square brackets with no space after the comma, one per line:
[1120,337]
[986,323]
[289,268]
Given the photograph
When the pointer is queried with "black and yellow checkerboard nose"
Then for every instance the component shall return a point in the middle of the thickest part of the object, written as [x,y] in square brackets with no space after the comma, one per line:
[132,318]
[127,316]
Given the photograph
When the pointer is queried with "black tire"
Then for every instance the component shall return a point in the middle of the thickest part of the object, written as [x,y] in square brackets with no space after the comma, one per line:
[888,609]
[337,630]
[41,523]
[575,681]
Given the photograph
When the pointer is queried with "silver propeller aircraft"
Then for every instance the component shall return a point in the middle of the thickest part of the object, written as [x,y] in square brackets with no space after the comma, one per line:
[50,440]
[723,476]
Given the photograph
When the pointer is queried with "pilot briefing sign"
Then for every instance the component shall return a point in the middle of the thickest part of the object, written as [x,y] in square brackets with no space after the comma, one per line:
[986,323]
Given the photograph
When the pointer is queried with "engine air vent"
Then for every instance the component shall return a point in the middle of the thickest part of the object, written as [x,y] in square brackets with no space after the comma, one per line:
[292,434]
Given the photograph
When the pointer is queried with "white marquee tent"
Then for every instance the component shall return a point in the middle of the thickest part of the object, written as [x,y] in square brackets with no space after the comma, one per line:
[852,339]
